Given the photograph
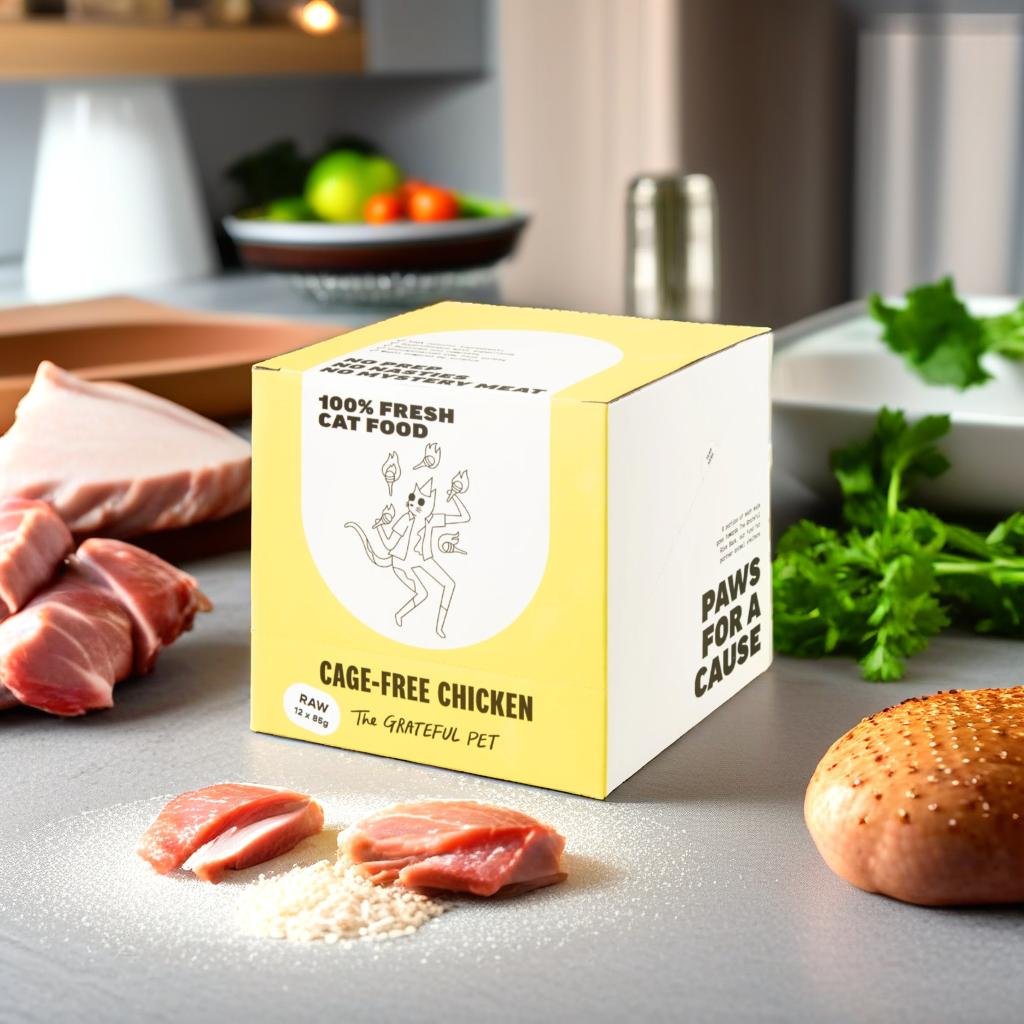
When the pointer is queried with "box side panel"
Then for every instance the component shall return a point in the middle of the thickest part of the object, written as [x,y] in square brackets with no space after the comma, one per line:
[689,462]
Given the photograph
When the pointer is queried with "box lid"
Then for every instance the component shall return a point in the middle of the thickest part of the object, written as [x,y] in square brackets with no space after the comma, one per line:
[650,349]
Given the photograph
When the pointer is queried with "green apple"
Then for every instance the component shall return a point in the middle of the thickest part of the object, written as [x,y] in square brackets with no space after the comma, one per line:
[338,186]
[290,208]
[382,174]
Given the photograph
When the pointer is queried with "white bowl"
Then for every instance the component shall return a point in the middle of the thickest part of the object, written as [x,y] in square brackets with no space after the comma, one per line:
[831,375]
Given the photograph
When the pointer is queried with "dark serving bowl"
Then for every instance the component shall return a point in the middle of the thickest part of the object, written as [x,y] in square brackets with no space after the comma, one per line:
[315,247]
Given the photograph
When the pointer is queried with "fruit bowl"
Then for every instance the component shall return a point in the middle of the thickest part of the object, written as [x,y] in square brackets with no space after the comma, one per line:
[317,247]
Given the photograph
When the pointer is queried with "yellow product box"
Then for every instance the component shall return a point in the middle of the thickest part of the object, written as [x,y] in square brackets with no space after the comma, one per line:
[522,543]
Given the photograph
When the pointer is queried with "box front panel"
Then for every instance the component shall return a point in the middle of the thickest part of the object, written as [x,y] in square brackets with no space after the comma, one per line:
[428,570]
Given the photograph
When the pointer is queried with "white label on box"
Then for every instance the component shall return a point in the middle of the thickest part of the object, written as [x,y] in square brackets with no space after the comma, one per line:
[426,476]
[311,709]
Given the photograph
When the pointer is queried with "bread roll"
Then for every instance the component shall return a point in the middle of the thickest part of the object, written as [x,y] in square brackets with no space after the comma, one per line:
[924,801]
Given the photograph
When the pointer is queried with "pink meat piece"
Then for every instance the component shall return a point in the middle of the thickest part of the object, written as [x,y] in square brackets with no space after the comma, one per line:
[65,650]
[114,460]
[514,864]
[456,845]
[247,845]
[194,819]
[33,543]
[161,599]
[429,827]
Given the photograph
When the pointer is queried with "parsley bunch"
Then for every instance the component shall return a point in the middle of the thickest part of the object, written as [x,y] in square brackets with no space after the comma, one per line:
[895,576]
[941,340]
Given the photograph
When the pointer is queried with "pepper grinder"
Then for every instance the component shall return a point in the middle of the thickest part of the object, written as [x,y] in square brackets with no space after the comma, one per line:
[672,248]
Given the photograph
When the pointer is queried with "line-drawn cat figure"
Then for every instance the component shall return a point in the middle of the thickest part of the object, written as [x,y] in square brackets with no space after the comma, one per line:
[412,553]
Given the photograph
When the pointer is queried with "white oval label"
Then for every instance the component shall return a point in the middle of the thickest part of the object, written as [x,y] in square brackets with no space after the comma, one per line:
[426,473]
[311,709]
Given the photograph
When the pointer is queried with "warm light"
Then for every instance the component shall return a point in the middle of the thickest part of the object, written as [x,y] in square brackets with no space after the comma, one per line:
[318,17]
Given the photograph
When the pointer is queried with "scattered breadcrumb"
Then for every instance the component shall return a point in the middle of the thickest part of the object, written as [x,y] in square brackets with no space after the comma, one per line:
[331,902]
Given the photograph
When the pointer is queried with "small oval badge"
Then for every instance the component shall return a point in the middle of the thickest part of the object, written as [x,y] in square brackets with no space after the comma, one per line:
[312,710]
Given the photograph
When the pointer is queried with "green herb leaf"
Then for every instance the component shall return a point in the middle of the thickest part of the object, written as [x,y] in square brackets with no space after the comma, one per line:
[876,475]
[898,575]
[1005,334]
[871,596]
[935,334]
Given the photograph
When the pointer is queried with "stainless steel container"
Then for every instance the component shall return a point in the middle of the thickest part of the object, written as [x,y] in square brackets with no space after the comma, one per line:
[672,248]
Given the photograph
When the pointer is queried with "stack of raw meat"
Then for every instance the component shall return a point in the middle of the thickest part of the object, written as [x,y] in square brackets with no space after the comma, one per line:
[73,625]
[100,459]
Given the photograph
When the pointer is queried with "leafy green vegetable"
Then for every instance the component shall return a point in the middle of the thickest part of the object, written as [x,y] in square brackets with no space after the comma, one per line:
[274,171]
[876,474]
[479,206]
[896,576]
[278,172]
[941,340]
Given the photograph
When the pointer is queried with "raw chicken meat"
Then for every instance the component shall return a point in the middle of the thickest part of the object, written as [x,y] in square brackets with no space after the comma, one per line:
[65,650]
[161,599]
[110,613]
[192,825]
[33,543]
[114,460]
[243,846]
[455,845]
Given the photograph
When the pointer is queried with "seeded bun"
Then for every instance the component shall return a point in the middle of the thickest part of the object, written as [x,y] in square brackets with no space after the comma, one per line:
[924,801]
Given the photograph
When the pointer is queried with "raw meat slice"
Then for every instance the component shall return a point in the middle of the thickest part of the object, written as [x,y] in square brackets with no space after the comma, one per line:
[431,827]
[65,650]
[193,819]
[114,460]
[457,845]
[515,864]
[161,599]
[33,543]
[243,846]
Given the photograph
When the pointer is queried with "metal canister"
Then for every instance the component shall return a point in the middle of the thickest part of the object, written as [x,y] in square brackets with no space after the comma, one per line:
[672,247]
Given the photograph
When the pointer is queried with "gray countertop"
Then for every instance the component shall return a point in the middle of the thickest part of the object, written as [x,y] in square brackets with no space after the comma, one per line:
[242,292]
[694,891]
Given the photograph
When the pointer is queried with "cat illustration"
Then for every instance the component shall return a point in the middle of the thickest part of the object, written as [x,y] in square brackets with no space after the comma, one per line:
[412,548]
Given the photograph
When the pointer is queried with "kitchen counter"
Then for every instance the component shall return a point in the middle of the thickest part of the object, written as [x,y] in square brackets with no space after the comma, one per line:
[694,892]
[238,292]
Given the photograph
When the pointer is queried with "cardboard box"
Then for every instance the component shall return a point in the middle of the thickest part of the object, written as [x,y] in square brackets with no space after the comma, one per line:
[526,544]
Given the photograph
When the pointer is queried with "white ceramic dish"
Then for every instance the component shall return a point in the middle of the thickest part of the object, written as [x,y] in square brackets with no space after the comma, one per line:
[832,373]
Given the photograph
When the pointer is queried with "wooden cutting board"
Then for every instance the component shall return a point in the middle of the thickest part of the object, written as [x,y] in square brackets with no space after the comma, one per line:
[200,360]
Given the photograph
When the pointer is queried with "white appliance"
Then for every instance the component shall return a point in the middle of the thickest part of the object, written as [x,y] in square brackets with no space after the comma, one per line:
[116,203]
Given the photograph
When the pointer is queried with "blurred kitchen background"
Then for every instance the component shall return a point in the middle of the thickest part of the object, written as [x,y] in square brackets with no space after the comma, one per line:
[853,144]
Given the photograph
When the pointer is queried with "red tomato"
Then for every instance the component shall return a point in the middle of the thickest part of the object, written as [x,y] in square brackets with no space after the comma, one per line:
[428,203]
[382,208]
[407,188]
